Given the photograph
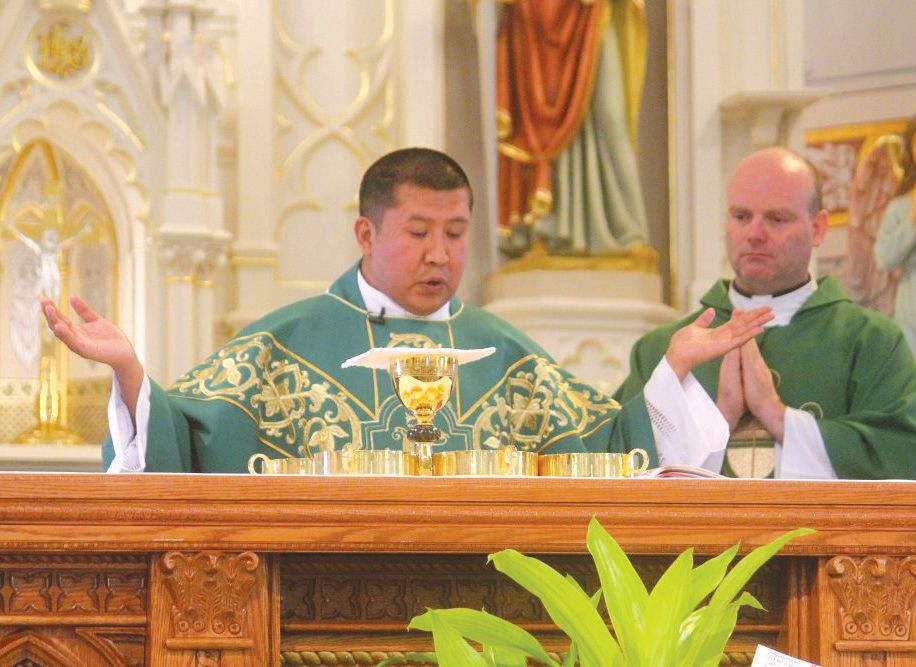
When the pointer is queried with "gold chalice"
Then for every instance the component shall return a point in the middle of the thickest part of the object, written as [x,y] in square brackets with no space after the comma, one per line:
[423,383]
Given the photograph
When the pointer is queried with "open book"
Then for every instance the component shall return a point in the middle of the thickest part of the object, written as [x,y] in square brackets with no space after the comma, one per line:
[685,471]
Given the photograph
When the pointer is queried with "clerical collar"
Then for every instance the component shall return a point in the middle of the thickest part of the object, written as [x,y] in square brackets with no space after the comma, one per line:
[784,304]
[379,302]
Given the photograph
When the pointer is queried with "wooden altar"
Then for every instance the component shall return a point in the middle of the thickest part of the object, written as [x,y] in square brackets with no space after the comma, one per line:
[265,570]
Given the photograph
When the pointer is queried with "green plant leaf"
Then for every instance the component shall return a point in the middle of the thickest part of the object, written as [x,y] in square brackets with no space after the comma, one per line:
[625,595]
[708,575]
[451,648]
[503,657]
[713,617]
[665,611]
[711,653]
[595,598]
[566,604]
[689,625]
[573,653]
[572,582]
[572,656]
[487,630]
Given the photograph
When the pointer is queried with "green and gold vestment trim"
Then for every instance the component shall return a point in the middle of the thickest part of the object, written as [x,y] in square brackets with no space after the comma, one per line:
[299,408]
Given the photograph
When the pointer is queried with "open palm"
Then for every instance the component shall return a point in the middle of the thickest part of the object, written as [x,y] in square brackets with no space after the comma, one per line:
[697,343]
[95,338]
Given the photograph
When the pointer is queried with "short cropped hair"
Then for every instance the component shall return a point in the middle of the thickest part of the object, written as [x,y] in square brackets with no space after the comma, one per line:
[423,167]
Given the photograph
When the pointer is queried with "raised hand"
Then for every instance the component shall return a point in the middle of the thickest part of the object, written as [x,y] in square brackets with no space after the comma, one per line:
[760,392]
[96,338]
[697,343]
[730,395]
[99,340]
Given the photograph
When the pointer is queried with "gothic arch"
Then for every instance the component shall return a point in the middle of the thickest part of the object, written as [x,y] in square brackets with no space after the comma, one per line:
[29,645]
[115,174]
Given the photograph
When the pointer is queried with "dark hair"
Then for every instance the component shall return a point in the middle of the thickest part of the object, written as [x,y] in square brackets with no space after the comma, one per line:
[423,167]
[908,160]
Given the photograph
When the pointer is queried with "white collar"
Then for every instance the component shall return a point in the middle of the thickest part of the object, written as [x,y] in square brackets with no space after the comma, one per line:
[784,306]
[377,300]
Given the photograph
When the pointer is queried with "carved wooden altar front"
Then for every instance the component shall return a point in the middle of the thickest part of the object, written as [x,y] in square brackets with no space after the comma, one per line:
[267,570]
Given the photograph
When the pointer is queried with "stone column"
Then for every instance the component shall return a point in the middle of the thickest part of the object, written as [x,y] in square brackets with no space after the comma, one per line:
[192,237]
[254,252]
[212,256]
[190,262]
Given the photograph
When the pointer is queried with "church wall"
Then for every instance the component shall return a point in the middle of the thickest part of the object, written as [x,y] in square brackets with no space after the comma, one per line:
[857,53]
[754,73]
[327,88]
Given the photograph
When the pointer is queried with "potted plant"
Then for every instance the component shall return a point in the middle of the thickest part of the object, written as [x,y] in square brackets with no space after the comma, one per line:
[661,628]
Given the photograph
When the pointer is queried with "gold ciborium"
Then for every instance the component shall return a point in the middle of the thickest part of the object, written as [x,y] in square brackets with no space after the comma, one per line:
[423,383]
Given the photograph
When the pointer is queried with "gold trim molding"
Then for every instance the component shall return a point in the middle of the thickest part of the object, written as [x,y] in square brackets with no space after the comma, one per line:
[638,258]
[81,6]
[62,52]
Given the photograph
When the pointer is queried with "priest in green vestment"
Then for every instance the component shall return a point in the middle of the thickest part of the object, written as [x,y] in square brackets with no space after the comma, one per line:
[829,388]
[278,387]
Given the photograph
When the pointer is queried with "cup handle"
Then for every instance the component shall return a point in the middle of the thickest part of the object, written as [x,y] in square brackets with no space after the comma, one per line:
[508,460]
[348,460]
[252,463]
[632,468]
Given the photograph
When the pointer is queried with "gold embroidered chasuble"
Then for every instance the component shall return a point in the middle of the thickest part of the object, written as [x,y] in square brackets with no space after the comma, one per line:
[278,388]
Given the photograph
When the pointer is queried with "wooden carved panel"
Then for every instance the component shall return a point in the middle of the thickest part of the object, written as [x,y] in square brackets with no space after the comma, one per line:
[56,646]
[319,589]
[73,588]
[359,605]
[210,593]
[210,609]
[876,595]
[83,609]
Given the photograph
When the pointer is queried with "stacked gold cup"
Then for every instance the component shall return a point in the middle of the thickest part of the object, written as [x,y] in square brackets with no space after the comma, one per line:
[423,382]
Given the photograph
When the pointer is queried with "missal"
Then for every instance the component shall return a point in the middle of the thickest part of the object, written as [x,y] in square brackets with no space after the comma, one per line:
[685,471]
[767,657]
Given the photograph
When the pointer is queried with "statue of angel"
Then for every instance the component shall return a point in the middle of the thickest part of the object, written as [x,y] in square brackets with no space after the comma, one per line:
[875,183]
[895,245]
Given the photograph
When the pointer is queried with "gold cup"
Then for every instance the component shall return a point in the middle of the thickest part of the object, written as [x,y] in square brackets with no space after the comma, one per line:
[385,462]
[423,383]
[269,466]
[507,461]
[339,462]
[594,464]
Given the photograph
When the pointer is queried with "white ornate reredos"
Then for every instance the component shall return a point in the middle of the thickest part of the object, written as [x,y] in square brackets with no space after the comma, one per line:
[139,113]
[104,117]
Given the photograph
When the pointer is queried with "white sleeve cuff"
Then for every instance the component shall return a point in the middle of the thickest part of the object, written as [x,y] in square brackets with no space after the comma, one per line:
[129,443]
[689,429]
[803,454]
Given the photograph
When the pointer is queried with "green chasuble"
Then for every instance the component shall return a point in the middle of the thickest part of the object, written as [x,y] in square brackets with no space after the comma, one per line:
[849,367]
[278,388]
